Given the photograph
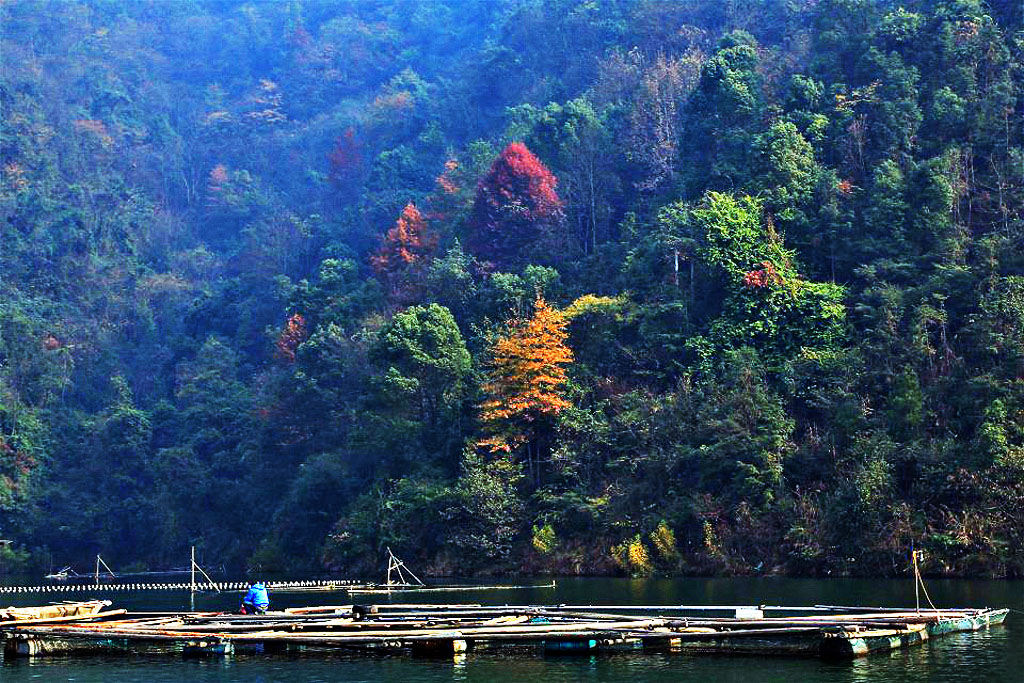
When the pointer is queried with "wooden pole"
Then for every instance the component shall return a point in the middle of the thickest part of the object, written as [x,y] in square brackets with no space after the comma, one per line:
[99,561]
[917,581]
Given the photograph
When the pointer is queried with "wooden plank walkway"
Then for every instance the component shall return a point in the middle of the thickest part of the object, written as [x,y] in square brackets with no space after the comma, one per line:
[454,629]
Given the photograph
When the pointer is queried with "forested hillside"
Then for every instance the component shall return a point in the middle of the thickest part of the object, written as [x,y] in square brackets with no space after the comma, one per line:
[573,286]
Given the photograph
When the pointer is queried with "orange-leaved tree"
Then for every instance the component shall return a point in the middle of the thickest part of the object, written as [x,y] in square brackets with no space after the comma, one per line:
[293,334]
[525,383]
[404,251]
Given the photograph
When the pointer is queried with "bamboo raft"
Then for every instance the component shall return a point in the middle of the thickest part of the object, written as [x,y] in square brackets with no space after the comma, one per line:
[447,630]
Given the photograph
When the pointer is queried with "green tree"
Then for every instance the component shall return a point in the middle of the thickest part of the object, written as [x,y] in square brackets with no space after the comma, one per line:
[724,113]
[426,360]
[745,433]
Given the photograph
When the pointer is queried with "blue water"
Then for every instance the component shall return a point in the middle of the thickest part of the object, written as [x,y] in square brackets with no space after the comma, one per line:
[995,654]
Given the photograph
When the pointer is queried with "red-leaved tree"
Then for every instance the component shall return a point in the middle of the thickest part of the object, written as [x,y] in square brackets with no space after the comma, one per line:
[516,208]
[404,251]
[346,160]
[293,334]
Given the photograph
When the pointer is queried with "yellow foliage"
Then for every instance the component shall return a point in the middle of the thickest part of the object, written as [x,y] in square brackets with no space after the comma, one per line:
[590,303]
[664,541]
[632,555]
[711,540]
[544,539]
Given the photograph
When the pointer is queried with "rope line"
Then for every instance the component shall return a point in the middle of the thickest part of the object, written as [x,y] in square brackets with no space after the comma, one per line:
[223,585]
[919,580]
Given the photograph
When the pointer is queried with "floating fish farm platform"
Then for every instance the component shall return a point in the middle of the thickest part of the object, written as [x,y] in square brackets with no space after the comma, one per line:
[455,629]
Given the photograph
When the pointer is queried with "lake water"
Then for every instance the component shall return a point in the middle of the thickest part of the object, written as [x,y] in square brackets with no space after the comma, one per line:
[989,655]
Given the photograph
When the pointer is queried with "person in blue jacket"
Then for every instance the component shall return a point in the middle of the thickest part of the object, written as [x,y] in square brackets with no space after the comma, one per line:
[257,600]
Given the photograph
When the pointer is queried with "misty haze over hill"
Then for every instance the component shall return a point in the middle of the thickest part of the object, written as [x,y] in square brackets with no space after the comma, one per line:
[565,286]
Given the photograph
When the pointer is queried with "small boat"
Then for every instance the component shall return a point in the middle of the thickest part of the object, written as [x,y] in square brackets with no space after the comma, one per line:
[56,611]
[63,575]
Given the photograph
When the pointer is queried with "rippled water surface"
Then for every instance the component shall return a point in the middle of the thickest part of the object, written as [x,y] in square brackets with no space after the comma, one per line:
[996,654]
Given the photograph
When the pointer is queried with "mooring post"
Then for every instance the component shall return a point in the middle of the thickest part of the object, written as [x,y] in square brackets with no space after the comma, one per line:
[279,647]
[214,647]
[30,646]
[445,645]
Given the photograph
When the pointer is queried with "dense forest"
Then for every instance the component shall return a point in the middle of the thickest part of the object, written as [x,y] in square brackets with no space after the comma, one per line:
[567,286]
